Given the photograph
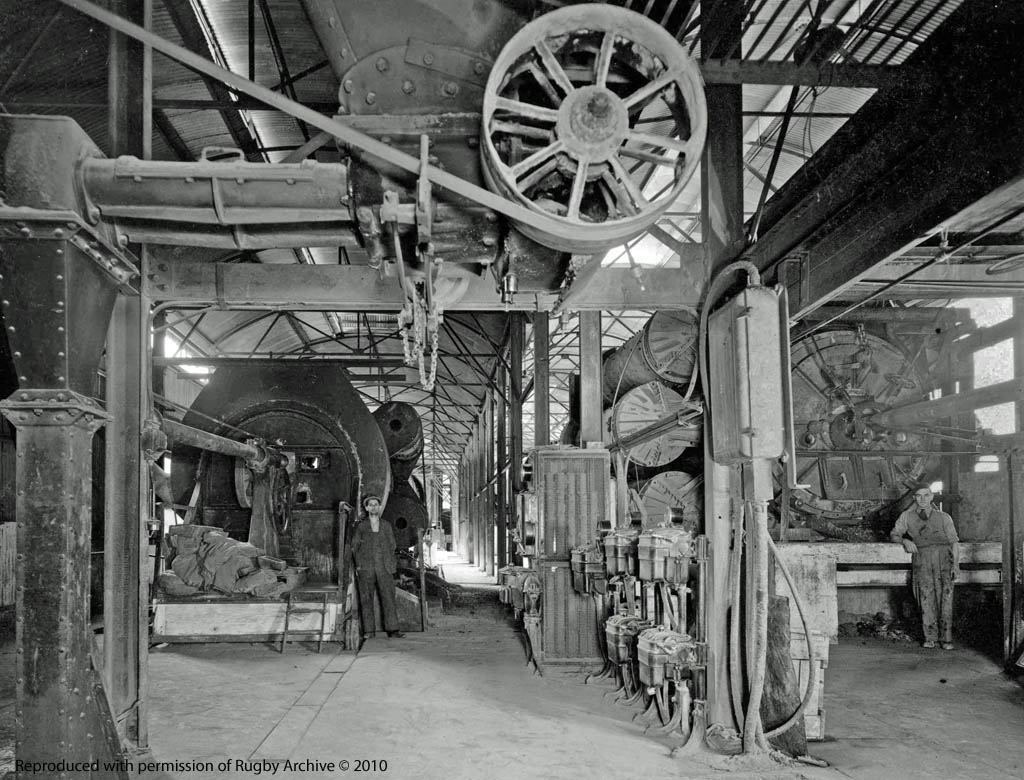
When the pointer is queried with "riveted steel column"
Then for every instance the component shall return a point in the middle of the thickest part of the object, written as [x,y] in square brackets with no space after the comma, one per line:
[61,711]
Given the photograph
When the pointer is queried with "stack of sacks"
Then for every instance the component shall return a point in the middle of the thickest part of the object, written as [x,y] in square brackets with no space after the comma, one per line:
[204,558]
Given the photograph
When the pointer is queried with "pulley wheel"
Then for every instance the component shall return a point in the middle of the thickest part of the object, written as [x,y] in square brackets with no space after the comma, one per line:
[675,493]
[593,115]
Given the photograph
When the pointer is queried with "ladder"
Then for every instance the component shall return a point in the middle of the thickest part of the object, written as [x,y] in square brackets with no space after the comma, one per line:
[291,608]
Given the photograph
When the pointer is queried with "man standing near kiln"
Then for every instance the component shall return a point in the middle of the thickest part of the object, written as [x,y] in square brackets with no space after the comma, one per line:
[928,534]
[373,547]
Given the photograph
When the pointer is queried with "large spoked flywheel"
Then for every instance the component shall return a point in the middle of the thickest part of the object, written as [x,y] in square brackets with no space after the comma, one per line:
[593,115]
[854,467]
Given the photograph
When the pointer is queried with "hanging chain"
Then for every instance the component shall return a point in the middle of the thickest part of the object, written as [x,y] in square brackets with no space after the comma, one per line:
[405,323]
[418,327]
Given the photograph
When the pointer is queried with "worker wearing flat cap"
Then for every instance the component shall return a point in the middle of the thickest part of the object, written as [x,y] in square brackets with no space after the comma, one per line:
[928,534]
[373,547]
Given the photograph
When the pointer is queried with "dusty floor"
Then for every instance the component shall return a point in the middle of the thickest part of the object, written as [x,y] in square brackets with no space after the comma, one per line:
[458,702]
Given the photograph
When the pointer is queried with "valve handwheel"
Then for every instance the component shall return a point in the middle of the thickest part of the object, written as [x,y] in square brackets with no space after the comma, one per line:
[594,115]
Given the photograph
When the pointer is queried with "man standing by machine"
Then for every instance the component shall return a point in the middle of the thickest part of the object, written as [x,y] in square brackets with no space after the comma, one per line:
[373,547]
[928,534]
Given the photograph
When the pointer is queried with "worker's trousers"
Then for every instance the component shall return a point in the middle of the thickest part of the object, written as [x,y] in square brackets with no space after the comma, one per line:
[933,589]
[368,580]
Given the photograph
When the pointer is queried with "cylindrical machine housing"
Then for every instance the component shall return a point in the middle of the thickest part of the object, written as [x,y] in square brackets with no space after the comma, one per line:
[665,349]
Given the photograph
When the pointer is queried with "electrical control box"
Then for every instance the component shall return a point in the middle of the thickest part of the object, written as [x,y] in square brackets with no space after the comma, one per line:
[746,387]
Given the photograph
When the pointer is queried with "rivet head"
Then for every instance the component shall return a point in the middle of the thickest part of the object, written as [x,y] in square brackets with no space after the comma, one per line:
[408,87]
[382,64]
[17,354]
[428,59]
[348,86]
[371,98]
[479,68]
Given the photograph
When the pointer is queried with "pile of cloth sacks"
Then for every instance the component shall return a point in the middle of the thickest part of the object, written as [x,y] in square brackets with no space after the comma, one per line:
[204,559]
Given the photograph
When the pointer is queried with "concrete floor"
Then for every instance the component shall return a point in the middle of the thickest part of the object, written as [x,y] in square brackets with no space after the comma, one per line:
[459,702]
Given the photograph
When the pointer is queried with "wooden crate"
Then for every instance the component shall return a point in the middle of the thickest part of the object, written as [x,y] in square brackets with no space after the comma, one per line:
[814,715]
[230,620]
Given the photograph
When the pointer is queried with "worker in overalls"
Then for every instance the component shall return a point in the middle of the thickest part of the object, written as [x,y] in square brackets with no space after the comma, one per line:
[373,547]
[928,534]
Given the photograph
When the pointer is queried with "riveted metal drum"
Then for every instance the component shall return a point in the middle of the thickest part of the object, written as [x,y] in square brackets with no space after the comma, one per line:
[402,429]
[663,654]
[571,130]
[675,494]
[406,512]
[620,551]
[645,405]
[664,554]
[665,349]
[621,633]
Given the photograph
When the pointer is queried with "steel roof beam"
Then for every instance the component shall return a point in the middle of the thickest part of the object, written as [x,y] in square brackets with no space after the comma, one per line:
[913,158]
[360,288]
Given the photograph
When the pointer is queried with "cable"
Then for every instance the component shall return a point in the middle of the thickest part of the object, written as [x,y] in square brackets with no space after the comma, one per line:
[753,723]
[812,659]
[735,676]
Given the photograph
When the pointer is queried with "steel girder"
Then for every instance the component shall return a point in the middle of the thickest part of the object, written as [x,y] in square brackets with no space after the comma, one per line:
[913,158]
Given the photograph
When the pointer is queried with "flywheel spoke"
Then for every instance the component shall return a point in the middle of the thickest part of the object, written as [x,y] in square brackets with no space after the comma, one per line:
[578,184]
[627,181]
[535,159]
[526,110]
[623,202]
[651,89]
[522,131]
[553,67]
[604,59]
[661,142]
[545,84]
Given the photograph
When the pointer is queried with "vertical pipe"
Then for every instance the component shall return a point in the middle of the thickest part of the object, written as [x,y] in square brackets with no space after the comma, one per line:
[490,513]
[591,380]
[515,394]
[503,474]
[423,581]
[541,410]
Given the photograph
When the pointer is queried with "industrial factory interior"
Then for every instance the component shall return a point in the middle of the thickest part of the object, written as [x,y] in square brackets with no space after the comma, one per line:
[512,389]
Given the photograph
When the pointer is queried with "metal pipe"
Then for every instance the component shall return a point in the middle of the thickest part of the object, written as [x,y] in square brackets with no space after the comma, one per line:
[289,235]
[194,437]
[423,581]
